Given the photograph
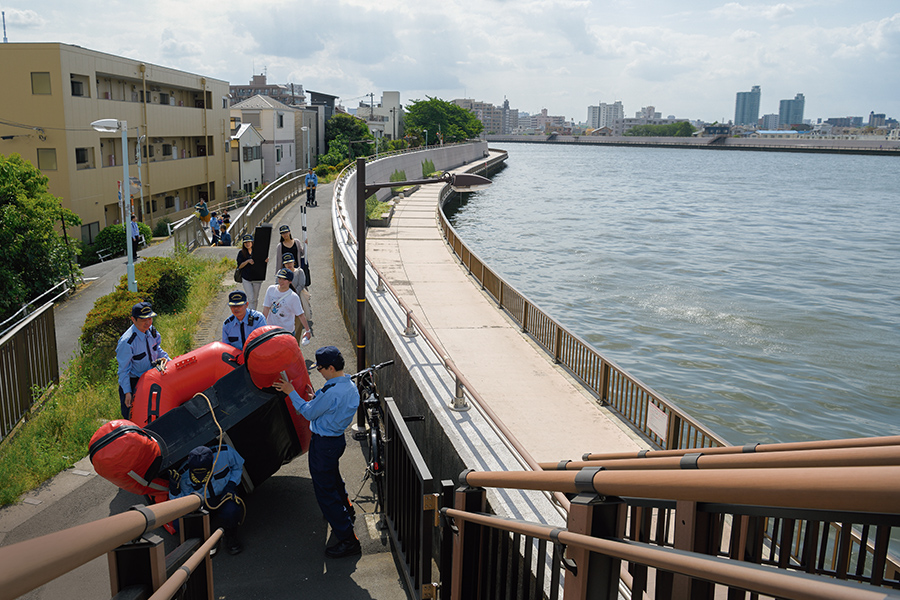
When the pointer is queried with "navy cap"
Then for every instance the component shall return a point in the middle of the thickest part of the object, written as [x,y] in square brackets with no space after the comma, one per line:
[200,457]
[286,258]
[237,298]
[142,310]
[285,274]
[247,237]
[329,356]
[284,229]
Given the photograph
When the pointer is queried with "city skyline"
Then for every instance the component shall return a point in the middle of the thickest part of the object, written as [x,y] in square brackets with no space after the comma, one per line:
[688,61]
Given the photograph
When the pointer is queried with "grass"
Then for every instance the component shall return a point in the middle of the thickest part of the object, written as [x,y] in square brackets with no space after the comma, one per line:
[376,209]
[59,430]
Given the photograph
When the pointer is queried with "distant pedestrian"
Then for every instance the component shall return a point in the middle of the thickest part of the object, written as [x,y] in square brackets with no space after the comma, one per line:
[214,222]
[289,245]
[203,212]
[282,306]
[244,263]
[135,237]
[312,181]
[242,322]
[224,236]
[138,351]
[330,412]
[299,285]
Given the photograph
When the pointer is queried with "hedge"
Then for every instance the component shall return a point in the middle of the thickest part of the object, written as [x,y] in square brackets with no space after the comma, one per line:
[163,283]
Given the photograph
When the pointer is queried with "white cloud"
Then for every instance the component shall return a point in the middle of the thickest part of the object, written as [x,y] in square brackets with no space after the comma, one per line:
[736,10]
[27,19]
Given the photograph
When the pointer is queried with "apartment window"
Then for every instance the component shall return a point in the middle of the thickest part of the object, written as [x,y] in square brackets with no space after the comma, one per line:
[167,149]
[278,154]
[89,232]
[280,121]
[148,149]
[40,83]
[46,159]
[170,201]
[84,158]
[163,98]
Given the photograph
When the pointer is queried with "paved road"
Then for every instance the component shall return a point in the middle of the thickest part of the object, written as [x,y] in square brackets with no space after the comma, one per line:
[284,534]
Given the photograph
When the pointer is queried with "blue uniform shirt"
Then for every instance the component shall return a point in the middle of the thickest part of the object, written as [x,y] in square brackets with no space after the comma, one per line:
[136,353]
[227,469]
[332,409]
[225,239]
[235,332]
[134,229]
[311,180]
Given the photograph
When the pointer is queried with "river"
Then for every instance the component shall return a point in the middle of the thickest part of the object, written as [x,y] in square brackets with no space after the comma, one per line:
[758,291]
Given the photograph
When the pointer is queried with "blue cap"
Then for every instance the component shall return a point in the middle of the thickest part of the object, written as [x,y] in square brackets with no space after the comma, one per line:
[247,237]
[329,356]
[200,457]
[286,258]
[142,310]
[237,298]
[284,229]
[284,274]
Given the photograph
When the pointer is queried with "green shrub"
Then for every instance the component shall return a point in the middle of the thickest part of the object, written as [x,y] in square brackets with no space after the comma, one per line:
[161,228]
[163,282]
[374,208]
[322,170]
[427,167]
[88,255]
[103,326]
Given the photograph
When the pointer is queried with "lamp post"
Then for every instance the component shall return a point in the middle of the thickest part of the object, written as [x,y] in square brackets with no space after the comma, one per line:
[305,129]
[426,138]
[461,182]
[111,126]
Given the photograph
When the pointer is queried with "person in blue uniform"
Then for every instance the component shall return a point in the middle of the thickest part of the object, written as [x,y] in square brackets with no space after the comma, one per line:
[329,412]
[138,351]
[243,321]
[312,181]
[214,475]
[135,236]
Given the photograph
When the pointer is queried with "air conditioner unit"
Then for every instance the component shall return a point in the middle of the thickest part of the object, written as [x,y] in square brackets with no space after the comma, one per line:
[155,88]
[157,140]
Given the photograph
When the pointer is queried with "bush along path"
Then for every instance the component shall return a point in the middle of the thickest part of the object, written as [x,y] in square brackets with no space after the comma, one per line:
[57,434]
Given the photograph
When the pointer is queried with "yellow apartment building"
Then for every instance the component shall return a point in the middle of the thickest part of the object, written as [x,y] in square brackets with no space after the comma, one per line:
[52,92]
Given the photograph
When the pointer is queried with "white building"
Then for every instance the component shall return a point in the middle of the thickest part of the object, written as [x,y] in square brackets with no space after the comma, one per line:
[605,115]
[275,122]
[386,117]
[246,157]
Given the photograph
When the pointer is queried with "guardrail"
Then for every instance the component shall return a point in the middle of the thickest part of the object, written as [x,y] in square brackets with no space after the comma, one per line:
[659,419]
[27,361]
[138,564]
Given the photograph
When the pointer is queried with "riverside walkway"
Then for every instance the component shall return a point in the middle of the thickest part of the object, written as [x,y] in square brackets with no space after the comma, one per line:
[284,534]
[546,409]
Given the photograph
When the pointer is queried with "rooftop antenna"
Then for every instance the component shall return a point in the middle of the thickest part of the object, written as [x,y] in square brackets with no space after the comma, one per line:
[5,41]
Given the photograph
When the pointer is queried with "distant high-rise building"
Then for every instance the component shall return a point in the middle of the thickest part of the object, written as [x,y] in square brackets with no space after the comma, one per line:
[605,115]
[769,122]
[876,119]
[790,112]
[746,108]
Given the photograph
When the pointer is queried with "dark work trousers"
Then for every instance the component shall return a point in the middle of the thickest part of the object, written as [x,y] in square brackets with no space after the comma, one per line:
[324,454]
[126,411]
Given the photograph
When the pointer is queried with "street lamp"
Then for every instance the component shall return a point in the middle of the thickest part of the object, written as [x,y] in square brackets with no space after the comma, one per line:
[426,138]
[461,182]
[306,130]
[111,126]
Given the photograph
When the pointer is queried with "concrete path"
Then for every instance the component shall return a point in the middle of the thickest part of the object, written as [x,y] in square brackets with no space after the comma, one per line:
[284,534]
[551,414]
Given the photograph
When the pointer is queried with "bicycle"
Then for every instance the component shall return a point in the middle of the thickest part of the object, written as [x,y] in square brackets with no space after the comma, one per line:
[375,436]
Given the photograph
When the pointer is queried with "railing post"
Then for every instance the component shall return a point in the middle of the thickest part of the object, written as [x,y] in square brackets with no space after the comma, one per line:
[196,525]
[595,576]
[524,315]
[558,345]
[691,535]
[141,562]
[445,561]
[410,330]
[459,397]
[673,435]
[466,572]
[604,382]
[379,289]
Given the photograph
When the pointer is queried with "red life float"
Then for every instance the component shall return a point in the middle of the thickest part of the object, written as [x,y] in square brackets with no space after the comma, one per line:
[159,392]
[129,457]
[270,350]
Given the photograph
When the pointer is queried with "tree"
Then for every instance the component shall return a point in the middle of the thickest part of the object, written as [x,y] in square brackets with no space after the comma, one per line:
[678,129]
[340,130]
[33,255]
[437,116]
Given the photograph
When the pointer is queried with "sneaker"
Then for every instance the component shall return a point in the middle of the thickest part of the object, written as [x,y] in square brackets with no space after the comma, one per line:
[233,544]
[349,547]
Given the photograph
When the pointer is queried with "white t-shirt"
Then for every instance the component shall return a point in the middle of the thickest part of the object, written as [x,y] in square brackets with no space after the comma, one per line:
[283,307]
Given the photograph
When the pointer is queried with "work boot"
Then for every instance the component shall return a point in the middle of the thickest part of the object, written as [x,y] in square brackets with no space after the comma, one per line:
[233,544]
[348,547]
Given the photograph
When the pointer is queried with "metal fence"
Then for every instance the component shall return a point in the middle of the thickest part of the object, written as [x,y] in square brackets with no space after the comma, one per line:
[28,361]
[663,423]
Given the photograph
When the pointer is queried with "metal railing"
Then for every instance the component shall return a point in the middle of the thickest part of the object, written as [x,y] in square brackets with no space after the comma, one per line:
[138,565]
[635,401]
[28,361]
[788,532]
[411,507]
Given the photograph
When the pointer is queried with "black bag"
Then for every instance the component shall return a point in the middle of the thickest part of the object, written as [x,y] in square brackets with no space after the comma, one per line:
[305,268]
[237,276]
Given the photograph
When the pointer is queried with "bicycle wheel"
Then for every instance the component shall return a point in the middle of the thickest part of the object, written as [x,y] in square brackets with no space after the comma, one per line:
[376,463]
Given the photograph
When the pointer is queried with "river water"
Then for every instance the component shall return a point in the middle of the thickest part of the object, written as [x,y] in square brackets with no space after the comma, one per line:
[759,291]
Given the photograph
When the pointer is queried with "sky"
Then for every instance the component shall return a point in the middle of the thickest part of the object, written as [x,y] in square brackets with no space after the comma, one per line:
[687,58]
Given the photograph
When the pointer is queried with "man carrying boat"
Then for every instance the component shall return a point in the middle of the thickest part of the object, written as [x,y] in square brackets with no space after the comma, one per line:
[138,351]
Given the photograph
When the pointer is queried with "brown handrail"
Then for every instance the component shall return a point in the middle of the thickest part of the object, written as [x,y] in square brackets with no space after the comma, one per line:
[893,440]
[732,573]
[173,584]
[843,457]
[30,564]
[857,489]
[445,359]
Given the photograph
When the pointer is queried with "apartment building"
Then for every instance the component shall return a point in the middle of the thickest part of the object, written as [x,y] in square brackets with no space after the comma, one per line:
[246,157]
[386,117]
[495,119]
[286,93]
[275,122]
[53,92]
